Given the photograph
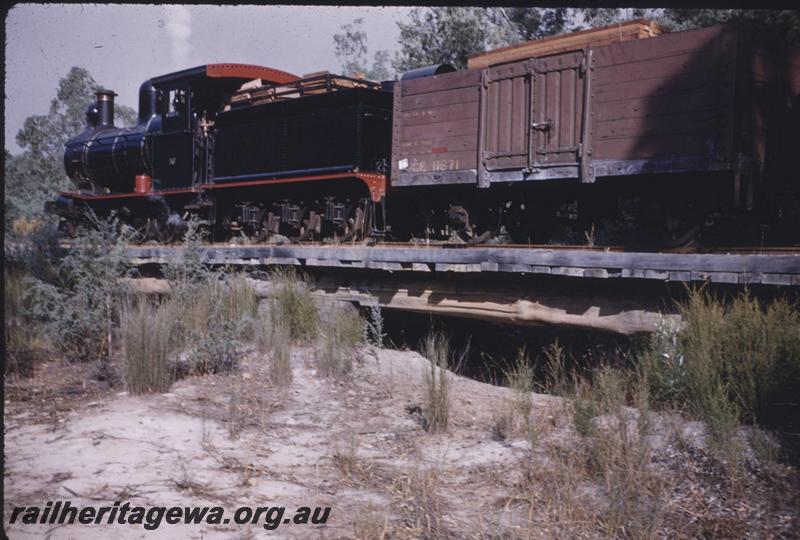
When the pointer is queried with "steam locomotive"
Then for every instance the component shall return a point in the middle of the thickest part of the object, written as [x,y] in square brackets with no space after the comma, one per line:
[681,138]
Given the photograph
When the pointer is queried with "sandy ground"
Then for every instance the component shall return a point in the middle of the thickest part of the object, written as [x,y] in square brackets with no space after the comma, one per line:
[357,446]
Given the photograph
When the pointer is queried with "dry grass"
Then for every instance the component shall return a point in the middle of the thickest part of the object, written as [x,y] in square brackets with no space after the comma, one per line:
[373,329]
[556,505]
[557,379]
[436,408]
[606,484]
[263,328]
[148,338]
[418,493]
[246,401]
[273,339]
[520,379]
[337,345]
[215,314]
[280,360]
[344,456]
[25,227]
[371,524]
[295,304]
[212,301]
[237,412]
[240,302]
[621,456]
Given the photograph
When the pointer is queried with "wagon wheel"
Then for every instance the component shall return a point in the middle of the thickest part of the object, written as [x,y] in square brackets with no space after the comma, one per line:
[459,220]
[675,229]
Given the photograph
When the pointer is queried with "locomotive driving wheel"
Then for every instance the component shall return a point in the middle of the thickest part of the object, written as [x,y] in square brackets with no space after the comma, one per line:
[350,226]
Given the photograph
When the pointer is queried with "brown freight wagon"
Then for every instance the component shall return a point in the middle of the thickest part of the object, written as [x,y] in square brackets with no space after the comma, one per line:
[705,119]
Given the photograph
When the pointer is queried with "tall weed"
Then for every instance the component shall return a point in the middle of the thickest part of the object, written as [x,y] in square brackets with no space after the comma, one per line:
[437,400]
[337,348]
[148,338]
[295,304]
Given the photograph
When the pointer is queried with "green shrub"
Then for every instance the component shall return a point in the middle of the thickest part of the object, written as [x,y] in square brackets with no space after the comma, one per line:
[22,336]
[663,364]
[185,270]
[215,349]
[80,307]
[734,361]
[32,249]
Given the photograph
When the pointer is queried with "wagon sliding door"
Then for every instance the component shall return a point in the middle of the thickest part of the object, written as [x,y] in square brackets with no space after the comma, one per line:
[558,101]
[532,119]
[506,112]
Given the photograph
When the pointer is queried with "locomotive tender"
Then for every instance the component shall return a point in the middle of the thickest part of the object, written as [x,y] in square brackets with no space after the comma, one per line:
[652,142]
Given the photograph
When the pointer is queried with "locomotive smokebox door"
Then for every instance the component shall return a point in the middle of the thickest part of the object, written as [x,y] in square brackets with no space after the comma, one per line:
[173,148]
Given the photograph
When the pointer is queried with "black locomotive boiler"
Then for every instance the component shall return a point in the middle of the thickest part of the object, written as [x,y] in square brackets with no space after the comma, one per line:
[681,138]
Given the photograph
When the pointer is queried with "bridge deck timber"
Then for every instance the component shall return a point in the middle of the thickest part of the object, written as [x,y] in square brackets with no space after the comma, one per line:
[611,291]
[779,269]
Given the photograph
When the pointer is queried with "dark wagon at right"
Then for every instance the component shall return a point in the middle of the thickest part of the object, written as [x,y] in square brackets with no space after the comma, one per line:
[684,137]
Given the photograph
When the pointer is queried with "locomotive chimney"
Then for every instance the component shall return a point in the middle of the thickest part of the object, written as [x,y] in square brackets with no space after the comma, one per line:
[105,106]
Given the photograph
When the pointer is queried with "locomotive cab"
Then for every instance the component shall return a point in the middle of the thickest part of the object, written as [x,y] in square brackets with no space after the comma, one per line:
[188,101]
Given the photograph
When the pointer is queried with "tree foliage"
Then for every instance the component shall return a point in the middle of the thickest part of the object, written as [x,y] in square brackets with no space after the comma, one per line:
[439,35]
[785,24]
[33,176]
[452,34]
[350,47]
[515,24]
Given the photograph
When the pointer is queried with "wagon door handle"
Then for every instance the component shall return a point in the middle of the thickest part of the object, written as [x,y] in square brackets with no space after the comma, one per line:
[541,126]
